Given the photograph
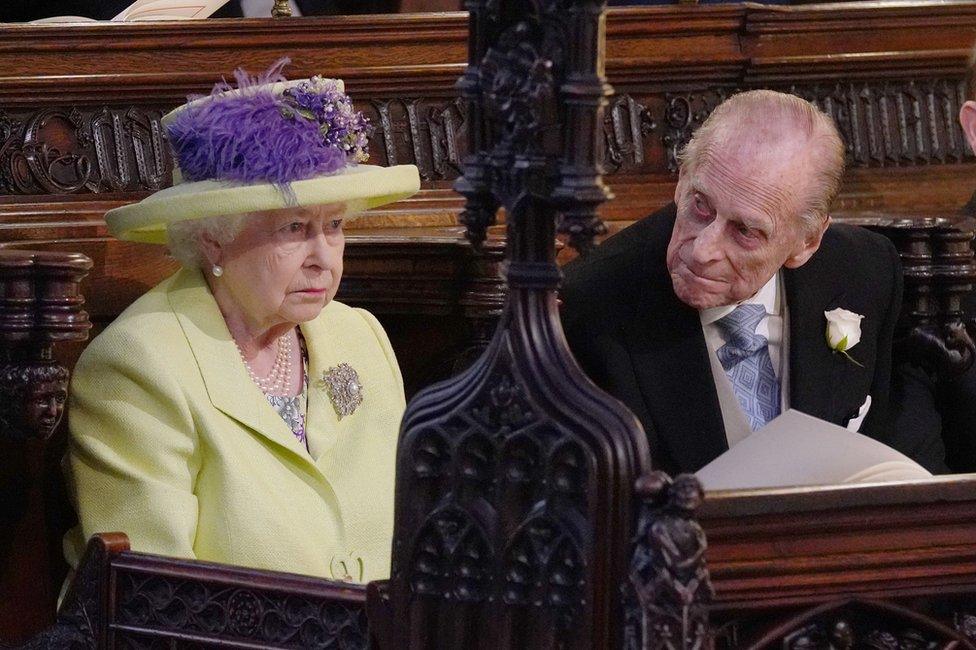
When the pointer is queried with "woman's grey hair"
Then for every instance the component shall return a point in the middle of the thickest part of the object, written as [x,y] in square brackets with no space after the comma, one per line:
[827,151]
[185,236]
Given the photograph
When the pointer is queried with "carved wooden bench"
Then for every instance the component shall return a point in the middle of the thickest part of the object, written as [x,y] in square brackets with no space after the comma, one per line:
[122,599]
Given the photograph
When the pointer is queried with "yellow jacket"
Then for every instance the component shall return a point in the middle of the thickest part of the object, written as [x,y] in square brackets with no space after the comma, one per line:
[174,445]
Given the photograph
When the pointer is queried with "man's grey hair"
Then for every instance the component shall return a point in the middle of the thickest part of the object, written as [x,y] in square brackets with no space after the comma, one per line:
[185,237]
[825,145]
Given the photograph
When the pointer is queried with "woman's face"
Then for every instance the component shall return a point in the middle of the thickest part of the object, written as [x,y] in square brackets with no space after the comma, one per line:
[285,265]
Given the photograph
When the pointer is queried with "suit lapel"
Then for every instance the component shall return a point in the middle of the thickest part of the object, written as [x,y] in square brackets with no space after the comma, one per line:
[817,374]
[228,385]
[667,347]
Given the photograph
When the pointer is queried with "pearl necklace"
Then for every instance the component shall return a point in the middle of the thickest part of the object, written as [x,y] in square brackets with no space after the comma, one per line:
[278,378]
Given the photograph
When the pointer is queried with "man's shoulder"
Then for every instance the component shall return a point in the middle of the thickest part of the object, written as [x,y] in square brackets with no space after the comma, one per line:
[843,240]
[637,251]
[856,262]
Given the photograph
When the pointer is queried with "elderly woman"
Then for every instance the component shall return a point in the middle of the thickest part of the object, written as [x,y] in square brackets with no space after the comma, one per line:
[237,413]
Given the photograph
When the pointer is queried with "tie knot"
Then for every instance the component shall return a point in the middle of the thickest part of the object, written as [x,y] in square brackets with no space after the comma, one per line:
[740,332]
[743,318]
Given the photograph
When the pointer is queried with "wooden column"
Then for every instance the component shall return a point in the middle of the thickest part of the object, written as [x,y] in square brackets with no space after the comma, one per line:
[515,502]
[40,306]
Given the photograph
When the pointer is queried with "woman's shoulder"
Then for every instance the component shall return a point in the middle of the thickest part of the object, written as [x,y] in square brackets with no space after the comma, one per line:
[348,320]
[353,328]
[361,338]
[144,325]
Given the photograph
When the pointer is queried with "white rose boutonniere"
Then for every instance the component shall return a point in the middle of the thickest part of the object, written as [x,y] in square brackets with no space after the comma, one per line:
[843,331]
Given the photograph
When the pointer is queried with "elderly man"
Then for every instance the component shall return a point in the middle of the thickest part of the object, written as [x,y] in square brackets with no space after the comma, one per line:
[708,318]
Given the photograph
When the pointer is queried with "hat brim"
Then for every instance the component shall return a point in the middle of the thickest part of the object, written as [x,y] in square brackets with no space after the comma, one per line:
[366,186]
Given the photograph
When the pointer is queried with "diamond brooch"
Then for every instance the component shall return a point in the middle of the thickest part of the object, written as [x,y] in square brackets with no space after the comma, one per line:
[344,388]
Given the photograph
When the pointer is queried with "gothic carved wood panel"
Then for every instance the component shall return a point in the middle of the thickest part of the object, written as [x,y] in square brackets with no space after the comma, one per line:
[63,150]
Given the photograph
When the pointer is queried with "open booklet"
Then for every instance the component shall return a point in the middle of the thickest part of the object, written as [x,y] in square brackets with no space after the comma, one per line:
[799,449]
[141,10]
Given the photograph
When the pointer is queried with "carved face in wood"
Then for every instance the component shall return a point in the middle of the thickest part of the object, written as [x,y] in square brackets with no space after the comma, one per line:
[44,407]
[33,399]
[283,267]
[686,493]
[738,218]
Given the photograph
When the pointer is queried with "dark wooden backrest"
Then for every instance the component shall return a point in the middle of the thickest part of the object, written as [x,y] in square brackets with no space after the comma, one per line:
[122,599]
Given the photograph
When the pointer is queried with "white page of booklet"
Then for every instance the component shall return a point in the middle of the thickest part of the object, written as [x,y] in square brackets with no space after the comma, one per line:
[798,449]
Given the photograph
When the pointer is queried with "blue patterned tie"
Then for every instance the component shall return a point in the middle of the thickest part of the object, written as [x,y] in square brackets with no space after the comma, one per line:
[745,357]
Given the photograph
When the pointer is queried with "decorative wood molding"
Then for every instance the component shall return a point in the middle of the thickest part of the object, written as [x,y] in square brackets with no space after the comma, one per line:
[67,150]
[514,508]
[133,600]
[40,305]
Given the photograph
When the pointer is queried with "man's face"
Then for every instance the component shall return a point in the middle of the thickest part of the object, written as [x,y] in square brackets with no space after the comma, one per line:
[738,222]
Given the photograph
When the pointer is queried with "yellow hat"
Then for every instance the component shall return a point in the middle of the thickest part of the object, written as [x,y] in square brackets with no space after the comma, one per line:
[265,145]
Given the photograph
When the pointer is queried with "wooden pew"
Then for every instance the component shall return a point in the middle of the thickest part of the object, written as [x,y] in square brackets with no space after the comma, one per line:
[122,599]
[79,113]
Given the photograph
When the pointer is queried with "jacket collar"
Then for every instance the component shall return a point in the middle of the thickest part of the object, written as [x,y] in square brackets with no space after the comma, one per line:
[228,385]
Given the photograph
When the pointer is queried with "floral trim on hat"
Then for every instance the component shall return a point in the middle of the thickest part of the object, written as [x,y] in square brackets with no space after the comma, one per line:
[252,134]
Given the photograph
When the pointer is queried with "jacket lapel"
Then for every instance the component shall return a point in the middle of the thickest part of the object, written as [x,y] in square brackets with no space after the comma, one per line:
[228,385]
[671,365]
[817,374]
[321,421]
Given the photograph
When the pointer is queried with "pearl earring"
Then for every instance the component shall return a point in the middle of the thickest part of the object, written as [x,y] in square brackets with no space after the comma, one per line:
[217,270]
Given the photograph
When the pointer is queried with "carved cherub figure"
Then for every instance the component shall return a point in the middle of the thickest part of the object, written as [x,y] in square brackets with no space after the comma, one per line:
[32,399]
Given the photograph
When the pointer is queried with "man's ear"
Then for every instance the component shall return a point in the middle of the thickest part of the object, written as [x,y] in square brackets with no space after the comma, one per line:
[967,119]
[807,247]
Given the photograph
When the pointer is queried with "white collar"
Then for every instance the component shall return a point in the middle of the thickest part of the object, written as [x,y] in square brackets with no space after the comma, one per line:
[767,296]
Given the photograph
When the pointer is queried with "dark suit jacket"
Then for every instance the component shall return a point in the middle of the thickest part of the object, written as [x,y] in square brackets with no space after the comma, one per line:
[635,339]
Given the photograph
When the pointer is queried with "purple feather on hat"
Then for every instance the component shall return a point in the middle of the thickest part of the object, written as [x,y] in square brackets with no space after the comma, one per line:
[255,136]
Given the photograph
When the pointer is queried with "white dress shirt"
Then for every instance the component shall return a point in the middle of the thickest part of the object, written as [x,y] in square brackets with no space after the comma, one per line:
[774,326]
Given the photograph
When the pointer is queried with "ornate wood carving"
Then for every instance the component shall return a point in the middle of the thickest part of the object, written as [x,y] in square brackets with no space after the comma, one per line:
[133,600]
[669,586]
[854,623]
[422,132]
[883,123]
[939,268]
[40,305]
[514,505]
[80,624]
[68,150]
[207,603]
